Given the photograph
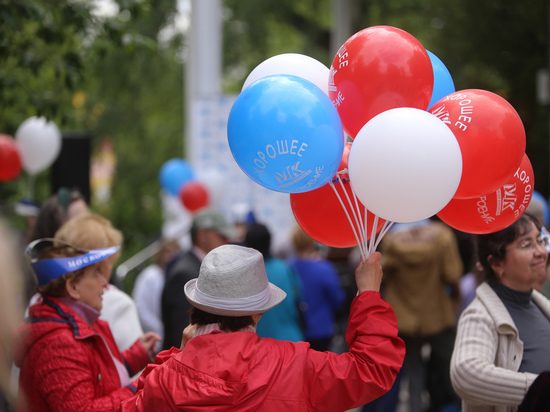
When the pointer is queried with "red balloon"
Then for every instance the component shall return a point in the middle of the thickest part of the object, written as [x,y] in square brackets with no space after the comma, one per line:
[10,159]
[377,69]
[494,211]
[194,196]
[491,138]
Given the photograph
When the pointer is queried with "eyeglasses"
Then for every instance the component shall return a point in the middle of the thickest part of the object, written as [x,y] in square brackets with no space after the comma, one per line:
[51,268]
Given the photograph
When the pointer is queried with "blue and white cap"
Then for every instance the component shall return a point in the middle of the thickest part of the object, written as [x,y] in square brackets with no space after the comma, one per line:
[50,269]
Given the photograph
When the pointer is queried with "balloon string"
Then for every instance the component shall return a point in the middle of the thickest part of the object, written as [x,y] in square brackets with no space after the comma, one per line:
[387,226]
[370,249]
[366,228]
[358,240]
[356,211]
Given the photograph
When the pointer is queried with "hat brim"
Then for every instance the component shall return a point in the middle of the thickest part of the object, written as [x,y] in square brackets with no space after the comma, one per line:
[277,295]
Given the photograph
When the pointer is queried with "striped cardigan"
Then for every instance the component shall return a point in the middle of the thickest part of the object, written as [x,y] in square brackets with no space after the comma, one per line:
[488,353]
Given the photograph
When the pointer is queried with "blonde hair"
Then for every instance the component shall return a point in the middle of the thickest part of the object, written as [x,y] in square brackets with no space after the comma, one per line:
[10,294]
[91,231]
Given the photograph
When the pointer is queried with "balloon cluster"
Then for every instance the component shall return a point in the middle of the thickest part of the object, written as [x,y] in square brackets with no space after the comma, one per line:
[414,146]
[36,145]
[177,179]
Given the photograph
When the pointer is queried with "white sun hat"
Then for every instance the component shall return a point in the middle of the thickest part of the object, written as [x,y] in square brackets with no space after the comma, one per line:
[232,282]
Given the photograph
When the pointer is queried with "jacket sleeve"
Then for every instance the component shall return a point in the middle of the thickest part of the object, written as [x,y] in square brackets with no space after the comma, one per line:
[474,375]
[137,402]
[135,358]
[339,382]
[65,380]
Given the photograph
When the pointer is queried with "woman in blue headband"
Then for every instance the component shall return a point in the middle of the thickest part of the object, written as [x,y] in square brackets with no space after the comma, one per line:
[69,360]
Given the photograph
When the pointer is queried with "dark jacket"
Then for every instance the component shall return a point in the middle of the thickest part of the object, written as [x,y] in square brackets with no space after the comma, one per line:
[175,308]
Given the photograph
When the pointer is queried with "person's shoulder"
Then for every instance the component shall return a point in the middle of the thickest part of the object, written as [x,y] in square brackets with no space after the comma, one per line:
[185,262]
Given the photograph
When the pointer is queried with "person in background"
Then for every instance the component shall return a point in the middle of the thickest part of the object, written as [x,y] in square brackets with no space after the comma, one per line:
[502,339]
[69,360]
[91,231]
[59,208]
[209,229]
[538,208]
[282,322]
[55,211]
[10,308]
[422,267]
[322,292]
[223,365]
[148,288]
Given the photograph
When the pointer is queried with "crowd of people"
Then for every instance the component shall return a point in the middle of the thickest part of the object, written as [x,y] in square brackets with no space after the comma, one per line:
[438,321]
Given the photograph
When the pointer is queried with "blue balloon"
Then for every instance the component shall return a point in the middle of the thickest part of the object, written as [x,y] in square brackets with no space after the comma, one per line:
[174,174]
[285,134]
[443,82]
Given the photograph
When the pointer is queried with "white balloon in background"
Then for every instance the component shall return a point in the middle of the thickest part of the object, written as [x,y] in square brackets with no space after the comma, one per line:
[39,143]
[405,165]
[294,64]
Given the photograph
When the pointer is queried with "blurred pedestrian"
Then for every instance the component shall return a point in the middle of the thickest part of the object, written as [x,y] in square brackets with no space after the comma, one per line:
[422,269]
[502,339]
[322,293]
[209,229]
[223,365]
[92,231]
[283,321]
[148,288]
[10,308]
[69,360]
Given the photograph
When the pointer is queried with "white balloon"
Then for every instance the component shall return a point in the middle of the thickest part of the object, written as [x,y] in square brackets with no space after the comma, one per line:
[294,64]
[405,165]
[39,143]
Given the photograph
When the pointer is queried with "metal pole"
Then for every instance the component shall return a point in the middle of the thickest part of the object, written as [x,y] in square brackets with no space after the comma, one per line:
[341,25]
[204,59]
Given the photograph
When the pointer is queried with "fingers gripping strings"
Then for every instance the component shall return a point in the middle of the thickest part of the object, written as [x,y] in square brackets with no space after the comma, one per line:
[358,221]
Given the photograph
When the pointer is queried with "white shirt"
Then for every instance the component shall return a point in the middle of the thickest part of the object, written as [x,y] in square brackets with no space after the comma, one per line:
[120,312]
[147,297]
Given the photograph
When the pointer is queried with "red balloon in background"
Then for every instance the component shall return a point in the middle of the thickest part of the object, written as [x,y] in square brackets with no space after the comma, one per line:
[494,211]
[10,159]
[194,196]
[491,138]
[377,69]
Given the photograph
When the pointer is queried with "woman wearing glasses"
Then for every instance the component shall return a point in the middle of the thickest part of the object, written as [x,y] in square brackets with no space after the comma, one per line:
[69,360]
[502,337]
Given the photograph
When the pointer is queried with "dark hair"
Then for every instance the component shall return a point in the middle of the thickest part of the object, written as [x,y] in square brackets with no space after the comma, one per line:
[227,323]
[494,244]
[259,238]
[53,213]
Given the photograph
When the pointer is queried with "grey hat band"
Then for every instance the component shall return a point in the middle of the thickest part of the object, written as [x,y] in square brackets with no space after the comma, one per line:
[234,304]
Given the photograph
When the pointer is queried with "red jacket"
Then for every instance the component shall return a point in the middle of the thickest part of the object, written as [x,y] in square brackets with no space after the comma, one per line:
[242,372]
[66,365]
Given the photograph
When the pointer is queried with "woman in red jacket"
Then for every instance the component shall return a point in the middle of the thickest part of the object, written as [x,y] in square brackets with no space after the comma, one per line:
[69,360]
[224,366]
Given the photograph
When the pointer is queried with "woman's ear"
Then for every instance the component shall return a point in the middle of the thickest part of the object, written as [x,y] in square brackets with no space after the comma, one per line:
[256,318]
[496,265]
[71,289]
